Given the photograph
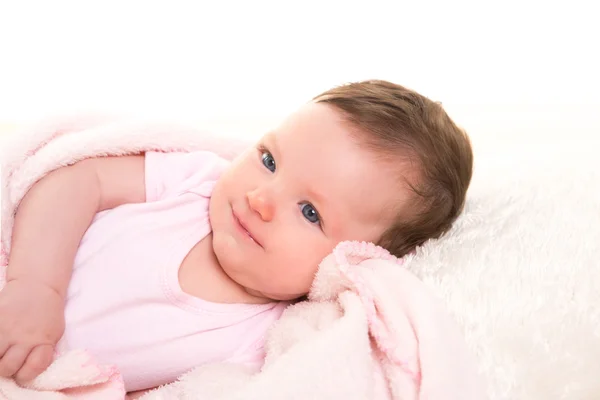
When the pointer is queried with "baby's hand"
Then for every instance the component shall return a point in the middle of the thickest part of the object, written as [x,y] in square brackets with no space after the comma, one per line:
[31,323]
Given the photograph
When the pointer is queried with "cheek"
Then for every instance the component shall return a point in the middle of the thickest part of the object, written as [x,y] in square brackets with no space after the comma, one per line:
[239,176]
[311,252]
[223,193]
[299,259]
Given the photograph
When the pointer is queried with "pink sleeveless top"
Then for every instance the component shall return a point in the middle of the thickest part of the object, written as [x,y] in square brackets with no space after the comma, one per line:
[125,304]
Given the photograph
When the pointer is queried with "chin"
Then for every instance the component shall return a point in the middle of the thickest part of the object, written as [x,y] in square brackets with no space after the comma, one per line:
[221,245]
[284,296]
[227,253]
[290,298]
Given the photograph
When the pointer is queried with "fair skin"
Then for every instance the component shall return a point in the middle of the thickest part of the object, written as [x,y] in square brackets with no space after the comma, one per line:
[296,193]
[275,213]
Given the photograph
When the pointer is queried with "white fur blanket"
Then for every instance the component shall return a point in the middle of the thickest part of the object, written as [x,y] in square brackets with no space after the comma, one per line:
[371,329]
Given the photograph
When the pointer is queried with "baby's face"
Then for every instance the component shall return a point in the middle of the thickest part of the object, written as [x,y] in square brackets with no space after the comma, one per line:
[286,203]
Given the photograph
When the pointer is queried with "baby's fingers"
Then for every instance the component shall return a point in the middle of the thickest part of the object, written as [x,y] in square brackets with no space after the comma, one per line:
[13,360]
[38,360]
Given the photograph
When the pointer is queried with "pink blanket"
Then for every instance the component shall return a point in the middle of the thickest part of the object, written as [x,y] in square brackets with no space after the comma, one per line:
[370,329]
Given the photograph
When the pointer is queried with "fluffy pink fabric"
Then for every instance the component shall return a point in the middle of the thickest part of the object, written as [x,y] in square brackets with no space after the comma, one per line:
[370,330]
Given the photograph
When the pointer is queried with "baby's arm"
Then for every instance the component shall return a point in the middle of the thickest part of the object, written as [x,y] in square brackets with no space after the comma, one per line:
[49,225]
[57,211]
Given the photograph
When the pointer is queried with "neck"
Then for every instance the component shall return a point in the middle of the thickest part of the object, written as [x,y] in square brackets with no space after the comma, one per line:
[202,276]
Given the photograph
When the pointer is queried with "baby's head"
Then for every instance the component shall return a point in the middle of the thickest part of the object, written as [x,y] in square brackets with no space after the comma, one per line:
[369,161]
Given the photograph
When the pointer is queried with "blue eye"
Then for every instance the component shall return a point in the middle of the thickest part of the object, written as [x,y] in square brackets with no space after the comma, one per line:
[310,213]
[268,161]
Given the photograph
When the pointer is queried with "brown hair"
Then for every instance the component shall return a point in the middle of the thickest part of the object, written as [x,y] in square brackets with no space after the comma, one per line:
[401,125]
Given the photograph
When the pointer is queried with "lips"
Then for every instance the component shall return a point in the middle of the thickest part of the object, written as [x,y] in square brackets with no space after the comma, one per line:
[244,228]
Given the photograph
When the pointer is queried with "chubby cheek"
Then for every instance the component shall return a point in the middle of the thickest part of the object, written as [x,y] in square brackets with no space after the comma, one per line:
[243,168]
[296,269]
[234,184]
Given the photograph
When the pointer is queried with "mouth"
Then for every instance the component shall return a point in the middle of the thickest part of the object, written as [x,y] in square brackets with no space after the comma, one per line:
[244,229]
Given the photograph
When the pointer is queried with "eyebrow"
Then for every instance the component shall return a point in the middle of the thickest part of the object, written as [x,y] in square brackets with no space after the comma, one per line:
[272,140]
[317,196]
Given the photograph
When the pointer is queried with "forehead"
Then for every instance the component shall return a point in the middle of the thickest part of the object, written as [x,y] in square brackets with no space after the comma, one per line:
[320,153]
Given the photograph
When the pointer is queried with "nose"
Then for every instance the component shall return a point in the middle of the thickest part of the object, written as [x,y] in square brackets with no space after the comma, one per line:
[261,203]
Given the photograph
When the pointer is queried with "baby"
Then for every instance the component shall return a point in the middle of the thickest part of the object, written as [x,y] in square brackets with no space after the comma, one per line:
[160,262]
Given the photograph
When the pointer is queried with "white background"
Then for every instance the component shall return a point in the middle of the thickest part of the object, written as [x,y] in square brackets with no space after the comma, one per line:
[519,71]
